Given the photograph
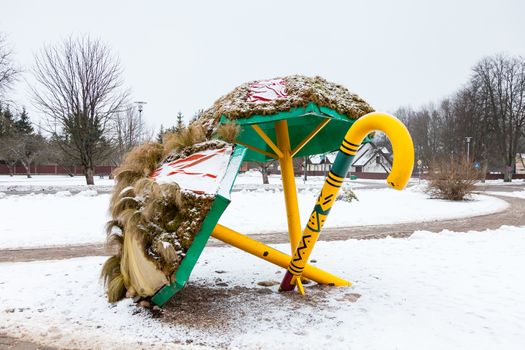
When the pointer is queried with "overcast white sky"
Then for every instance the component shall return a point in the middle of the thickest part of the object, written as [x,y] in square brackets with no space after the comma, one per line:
[182,56]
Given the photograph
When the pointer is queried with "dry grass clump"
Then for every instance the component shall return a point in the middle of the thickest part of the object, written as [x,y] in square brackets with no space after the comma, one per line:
[228,132]
[186,137]
[301,91]
[452,179]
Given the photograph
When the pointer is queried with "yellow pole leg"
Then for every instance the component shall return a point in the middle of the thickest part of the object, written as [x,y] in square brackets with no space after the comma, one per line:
[274,256]
[289,189]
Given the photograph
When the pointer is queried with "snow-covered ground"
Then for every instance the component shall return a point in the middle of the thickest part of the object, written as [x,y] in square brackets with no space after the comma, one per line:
[52,219]
[429,291]
[59,219]
[516,194]
[54,183]
[51,183]
[375,206]
[500,182]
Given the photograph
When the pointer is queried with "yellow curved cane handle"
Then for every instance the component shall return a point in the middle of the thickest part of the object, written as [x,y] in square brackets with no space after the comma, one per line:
[402,166]
[397,133]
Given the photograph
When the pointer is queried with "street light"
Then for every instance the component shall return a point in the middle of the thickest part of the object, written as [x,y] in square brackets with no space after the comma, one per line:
[140,106]
[468,138]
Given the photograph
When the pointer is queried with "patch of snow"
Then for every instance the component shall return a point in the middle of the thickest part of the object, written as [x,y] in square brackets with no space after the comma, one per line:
[45,220]
[430,291]
[516,194]
[500,182]
[63,194]
[48,219]
[88,193]
[51,183]
[264,211]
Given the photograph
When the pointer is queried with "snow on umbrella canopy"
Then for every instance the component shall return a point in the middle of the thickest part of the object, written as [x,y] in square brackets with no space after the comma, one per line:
[305,102]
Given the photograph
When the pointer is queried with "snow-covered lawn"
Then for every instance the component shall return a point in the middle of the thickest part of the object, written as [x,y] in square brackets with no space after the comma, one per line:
[516,194]
[429,291]
[264,211]
[62,218]
[39,183]
[53,183]
[500,182]
[52,219]
[58,219]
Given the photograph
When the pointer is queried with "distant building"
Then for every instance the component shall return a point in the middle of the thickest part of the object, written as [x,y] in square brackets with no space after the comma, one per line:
[320,163]
[369,159]
[372,159]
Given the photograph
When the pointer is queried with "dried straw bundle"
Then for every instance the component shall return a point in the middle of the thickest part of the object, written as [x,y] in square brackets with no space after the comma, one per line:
[152,224]
[301,91]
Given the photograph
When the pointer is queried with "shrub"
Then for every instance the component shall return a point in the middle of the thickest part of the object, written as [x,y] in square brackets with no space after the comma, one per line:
[346,195]
[452,179]
[228,132]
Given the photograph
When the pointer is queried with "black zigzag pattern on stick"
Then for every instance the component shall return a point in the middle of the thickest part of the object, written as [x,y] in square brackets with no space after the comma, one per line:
[301,247]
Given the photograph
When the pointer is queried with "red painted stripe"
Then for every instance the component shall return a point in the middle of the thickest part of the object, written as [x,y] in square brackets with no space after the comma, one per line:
[286,284]
[190,173]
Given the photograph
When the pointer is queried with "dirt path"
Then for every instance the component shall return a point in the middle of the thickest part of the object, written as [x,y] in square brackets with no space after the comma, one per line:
[514,215]
[7,342]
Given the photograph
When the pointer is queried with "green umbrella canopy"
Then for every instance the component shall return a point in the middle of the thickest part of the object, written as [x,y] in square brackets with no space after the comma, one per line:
[305,102]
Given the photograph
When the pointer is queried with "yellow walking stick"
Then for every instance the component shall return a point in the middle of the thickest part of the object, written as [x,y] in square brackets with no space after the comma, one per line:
[403,150]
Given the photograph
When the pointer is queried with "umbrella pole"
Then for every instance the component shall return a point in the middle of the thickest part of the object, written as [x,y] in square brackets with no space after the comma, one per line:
[273,256]
[288,178]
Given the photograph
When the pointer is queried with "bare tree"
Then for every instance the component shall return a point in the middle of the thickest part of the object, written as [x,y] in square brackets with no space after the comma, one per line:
[22,148]
[7,144]
[500,82]
[129,131]
[490,109]
[264,167]
[8,71]
[79,89]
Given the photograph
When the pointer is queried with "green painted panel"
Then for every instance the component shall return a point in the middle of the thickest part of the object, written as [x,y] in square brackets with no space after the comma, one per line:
[301,121]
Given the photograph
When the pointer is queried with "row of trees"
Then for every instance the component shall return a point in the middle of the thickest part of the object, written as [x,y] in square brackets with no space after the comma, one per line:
[89,118]
[490,109]
[18,140]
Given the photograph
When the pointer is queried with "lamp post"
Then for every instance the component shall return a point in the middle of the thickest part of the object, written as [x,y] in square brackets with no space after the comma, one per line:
[304,168]
[468,138]
[140,107]
[138,127]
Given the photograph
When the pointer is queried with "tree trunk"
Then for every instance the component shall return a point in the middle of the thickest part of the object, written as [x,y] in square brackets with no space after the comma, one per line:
[88,172]
[508,174]
[484,170]
[305,167]
[265,176]
[27,166]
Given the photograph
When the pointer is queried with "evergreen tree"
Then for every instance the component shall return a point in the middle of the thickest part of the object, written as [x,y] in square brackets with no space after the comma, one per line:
[180,122]
[6,121]
[160,135]
[23,125]
[8,115]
